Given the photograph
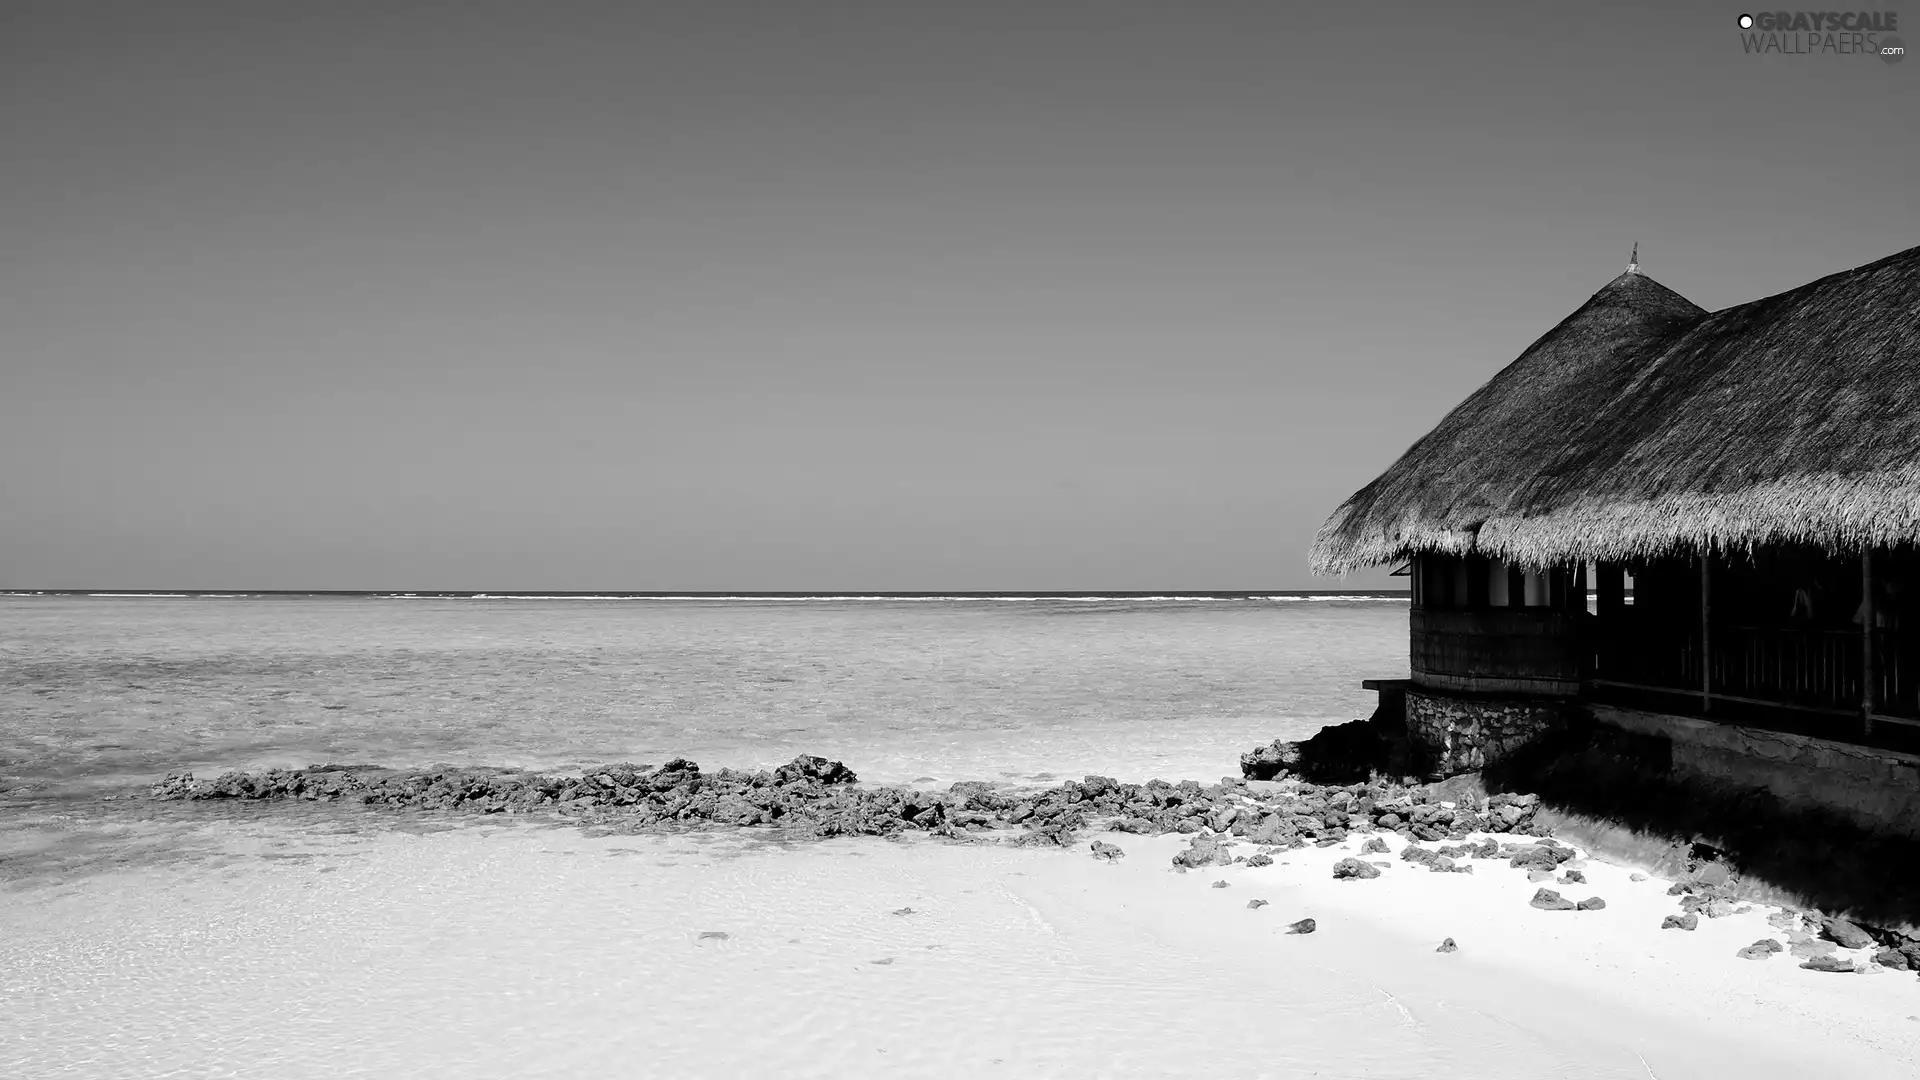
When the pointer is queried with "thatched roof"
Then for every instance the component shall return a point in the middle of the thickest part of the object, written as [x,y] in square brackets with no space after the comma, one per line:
[1640,425]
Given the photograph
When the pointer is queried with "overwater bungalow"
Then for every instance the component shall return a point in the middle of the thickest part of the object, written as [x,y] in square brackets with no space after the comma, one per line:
[1699,526]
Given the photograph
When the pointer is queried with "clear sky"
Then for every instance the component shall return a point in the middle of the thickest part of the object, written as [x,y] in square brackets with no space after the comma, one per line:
[831,296]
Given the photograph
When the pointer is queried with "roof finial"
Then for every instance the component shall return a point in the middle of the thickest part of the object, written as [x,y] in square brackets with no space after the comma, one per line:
[1633,266]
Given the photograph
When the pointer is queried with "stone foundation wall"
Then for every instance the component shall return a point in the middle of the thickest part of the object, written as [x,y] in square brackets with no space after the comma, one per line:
[1453,735]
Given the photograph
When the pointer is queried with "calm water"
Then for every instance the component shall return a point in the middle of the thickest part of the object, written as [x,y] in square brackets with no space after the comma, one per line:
[100,690]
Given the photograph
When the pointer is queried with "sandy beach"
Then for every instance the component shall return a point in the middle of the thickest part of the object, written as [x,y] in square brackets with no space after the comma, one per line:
[299,941]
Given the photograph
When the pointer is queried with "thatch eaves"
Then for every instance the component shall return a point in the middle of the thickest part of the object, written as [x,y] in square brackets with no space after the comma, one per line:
[1511,432]
[1790,419]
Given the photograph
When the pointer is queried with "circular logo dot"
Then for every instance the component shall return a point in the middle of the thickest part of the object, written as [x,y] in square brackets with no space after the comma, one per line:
[1746,22]
[1892,49]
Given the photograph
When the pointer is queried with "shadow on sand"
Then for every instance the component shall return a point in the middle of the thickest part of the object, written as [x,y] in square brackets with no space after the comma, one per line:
[1626,783]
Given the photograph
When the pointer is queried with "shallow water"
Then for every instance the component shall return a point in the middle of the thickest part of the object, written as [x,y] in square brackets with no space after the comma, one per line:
[103,690]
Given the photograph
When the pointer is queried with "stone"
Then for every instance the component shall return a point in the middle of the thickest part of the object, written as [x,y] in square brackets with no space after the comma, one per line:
[1260,859]
[1592,903]
[1837,964]
[1548,900]
[1107,852]
[1712,874]
[1893,958]
[804,768]
[1719,909]
[1759,950]
[1812,947]
[1202,851]
[1267,762]
[1846,934]
[1420,856]
[1374,846]
[1355,869]
[1539,857]
[1636,876]
[1534,876]
[1256,904]
[1459,735]
[1783,920]
[1447,946]
[1221,884]
[1573,877]
[1304,926]
[1680,922]
[1678,888]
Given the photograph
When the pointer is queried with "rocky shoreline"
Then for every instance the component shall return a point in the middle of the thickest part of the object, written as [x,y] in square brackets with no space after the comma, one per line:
[812,797]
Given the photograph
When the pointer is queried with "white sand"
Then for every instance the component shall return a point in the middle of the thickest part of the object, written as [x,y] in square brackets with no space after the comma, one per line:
[511,950]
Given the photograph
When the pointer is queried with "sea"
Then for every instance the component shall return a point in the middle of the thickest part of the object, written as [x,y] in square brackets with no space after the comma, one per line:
[99,691]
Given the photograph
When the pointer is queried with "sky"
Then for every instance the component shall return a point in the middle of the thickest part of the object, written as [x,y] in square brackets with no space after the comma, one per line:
[840,297]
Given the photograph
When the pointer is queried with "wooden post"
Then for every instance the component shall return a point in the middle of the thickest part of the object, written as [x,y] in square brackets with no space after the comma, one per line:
[1867,696]
[1706,631]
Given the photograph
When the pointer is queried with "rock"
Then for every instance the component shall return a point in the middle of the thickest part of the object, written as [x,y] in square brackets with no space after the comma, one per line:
[1783,920]
[1374,846]
[1893,958]
[1267,762]
[1680,922]
[1548,900]
[1260,859]
[1812,947]
[903,911]
[1419,856]
[1759,950]
[1202,851]
[1679,887]
[1712,874]
[1539,857]
[1592,903]
[1354,868]
[1846,934]
[1573,877]
[804,769]
[1636,876]
[1836,964]
[1304,926]
[1536,876]
[1447,946]
[1221,884]
[1106,851]
[1256,904]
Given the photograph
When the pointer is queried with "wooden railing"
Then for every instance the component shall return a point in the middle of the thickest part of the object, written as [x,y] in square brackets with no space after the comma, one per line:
[1819,668]
[1798,679]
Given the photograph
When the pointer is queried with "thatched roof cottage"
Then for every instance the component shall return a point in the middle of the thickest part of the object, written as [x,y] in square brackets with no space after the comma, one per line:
[1704,523]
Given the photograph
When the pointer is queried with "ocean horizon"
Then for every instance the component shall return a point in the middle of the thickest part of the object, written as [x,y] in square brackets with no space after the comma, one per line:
[114,687]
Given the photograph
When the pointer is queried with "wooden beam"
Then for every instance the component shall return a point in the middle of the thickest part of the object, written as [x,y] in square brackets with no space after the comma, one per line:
[1706,631]
[1867,696]
[1681,692]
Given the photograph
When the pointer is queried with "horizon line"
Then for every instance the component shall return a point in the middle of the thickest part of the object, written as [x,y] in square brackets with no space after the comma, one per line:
[703,593]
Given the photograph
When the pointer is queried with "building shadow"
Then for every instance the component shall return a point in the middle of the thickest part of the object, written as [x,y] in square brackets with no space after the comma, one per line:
[1817,857]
